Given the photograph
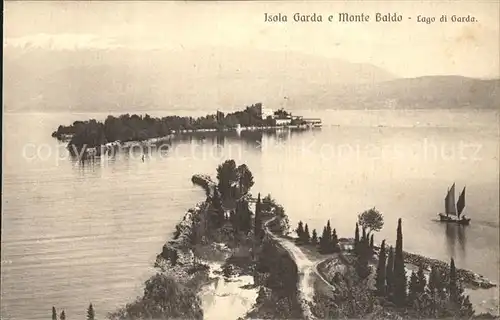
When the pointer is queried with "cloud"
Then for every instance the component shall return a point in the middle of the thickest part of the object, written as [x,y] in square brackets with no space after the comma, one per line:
[64,41]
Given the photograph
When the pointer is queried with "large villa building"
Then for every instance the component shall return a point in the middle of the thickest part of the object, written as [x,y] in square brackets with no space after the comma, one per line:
[284,118]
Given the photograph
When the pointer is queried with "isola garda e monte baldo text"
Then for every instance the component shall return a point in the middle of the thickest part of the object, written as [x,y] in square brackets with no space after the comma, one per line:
[361,17]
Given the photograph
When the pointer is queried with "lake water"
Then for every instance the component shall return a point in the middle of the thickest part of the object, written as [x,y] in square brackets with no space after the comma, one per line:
[72,235]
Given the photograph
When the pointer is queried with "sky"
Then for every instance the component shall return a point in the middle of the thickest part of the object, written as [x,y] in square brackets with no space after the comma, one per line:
[406,49]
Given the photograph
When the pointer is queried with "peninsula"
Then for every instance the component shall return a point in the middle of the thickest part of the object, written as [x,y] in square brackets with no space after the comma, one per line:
[309,276]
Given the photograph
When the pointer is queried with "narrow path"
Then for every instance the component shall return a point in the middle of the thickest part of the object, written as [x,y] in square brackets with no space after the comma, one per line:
[320,276]
[306,272]
[304,266]
[307,269]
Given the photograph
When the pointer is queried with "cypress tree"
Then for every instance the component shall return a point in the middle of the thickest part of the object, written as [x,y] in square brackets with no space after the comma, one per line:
[363,256]
[90,312]
[452,285]
[217,204]
[300,231]
[380,278]
[433,289]
[356,239]
[389,273]
[335,242]
[412,288]
[399,269]
[363,243]
[422,282]
[324,241]
[54,313]
[362,264]
[371,242]
[258,231]
[328,234]
[443,282]
[306,237]
[433,280]
[314,237]
[245,215]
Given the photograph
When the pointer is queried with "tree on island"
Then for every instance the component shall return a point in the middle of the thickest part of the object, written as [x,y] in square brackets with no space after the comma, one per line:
[364,239]
[300,231]
[356,238]
[389,273]
[63,315]
[314,237]
[258,230]
[227,175]
[334,244]
[434,289]
[363,255]
[54,313]
[245,178]
[452,284]
[324,241]
[445,295]
[381,269]
[399,269]
[460,303]
[283,227]
[219,210]
[306,237]
[243,216]
[412,289]
[281,113]
[134,127]
[437,289]
[421,280]
[371,219]
[328,231]
[90,312]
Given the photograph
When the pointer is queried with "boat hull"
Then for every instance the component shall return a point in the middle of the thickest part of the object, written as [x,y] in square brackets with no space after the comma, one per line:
[444,218]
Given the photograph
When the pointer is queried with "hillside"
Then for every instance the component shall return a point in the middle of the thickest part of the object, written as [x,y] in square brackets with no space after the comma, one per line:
[121,79]
[85,80]
[430,92]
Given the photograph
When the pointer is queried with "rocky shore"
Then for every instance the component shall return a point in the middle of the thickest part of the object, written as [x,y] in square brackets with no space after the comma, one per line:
[174,291]
[205,182]
[470,279]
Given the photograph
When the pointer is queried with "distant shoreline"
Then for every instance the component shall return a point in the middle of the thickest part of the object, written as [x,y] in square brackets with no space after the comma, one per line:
[161,111]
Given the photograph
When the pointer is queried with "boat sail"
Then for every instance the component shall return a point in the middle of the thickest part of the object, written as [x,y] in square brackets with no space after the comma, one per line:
[450,202]
[461,202]
[453,210]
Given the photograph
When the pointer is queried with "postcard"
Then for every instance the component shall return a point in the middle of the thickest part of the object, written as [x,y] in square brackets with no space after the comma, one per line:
[250,160]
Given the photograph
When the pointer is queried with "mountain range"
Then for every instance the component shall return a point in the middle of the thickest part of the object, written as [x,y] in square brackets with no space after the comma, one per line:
[119,79]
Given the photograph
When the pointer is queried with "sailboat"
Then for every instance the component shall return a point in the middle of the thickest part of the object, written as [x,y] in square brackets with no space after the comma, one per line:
[454,212]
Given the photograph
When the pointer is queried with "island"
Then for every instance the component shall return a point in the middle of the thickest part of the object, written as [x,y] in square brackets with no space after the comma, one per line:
[307,276]
[92,137]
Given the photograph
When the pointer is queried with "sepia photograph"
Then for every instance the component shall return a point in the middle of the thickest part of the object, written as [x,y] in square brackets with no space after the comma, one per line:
[243,160]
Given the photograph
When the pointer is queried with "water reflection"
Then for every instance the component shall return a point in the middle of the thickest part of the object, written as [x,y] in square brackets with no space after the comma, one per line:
[462,240]
[252,139]
[455,233]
